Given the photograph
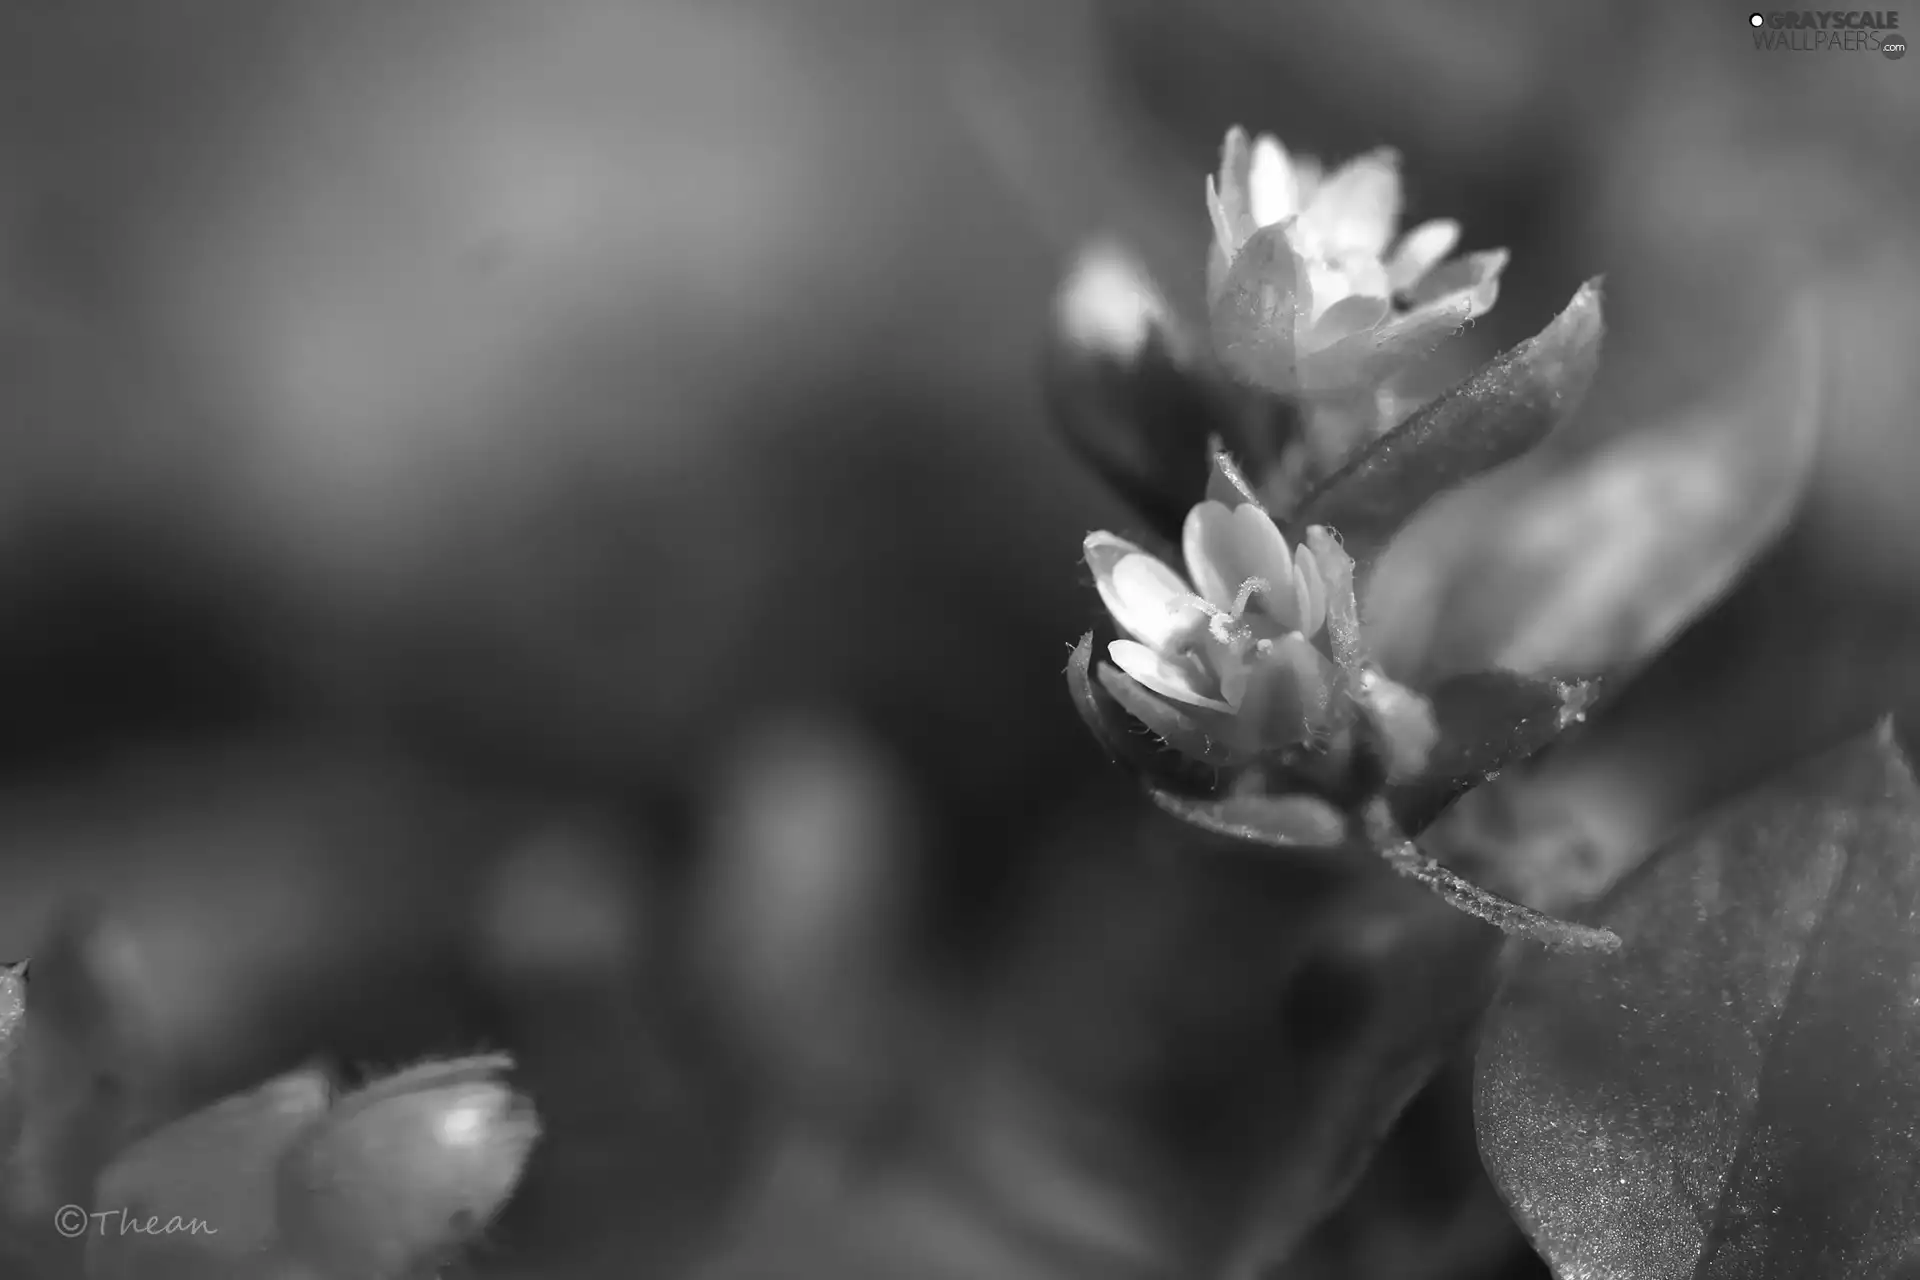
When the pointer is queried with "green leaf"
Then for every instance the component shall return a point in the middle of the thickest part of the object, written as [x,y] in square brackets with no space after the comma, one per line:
[1495,416]
[1736,1092]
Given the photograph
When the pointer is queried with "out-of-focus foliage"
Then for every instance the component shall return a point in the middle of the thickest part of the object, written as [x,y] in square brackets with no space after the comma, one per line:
[1734,1093]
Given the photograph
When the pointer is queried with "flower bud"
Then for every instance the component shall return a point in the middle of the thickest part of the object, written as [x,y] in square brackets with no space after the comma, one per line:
[405,1171]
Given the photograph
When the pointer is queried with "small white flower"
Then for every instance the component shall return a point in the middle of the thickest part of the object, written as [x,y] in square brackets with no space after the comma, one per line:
[1235,636]
[1366,309]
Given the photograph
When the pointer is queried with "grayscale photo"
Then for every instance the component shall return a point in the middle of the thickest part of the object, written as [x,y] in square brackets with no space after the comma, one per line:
[1008,640]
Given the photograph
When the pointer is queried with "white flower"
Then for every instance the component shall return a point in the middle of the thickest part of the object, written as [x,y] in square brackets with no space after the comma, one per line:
[1365,308]
[1235,637]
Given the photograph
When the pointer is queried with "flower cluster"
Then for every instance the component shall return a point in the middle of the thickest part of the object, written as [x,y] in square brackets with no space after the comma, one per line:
[1242,644]
[1315,673]
[1361,310]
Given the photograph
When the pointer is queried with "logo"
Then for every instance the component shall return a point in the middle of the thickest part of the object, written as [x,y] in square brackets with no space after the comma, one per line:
[1829,31]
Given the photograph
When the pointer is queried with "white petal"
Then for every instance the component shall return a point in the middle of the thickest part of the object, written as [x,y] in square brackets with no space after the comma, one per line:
[1310,591]
[1332,280]
[1151,602]
[1420,251]
[1355,313]
[1225,547]
[1475,277]
[1356,208]
[1166,678]
[1228,197]
[1307,176]
[1273,194]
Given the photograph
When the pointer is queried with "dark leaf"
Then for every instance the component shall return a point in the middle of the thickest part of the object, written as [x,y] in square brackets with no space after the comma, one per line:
[1486,722]
[1736,1092]
[1138,400]
[1593,570]
[1493,417]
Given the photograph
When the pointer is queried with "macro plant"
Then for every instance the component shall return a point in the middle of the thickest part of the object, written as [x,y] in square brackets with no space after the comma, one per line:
[294,1179]
[1354,591]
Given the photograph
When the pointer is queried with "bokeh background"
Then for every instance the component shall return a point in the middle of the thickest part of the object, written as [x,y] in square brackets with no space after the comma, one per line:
[531,526]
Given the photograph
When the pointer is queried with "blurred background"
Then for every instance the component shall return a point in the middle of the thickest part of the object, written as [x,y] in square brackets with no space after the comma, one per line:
[531,527]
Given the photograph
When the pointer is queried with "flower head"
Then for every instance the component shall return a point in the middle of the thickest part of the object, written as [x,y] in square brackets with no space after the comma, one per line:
[1241,643]
[1367,305]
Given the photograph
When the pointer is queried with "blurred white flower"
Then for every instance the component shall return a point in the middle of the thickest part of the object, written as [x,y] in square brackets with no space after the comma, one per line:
[1238,640]
[1365,308]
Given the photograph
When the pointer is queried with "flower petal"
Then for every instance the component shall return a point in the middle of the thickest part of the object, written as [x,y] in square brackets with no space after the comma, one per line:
[1255,313]
[1420,251]
[1308,174]
[1229,198]
[1272,710]
[1167,678]
[1149,601]
[1273,195]
[1356,208]
[1315,674]
[1353,314]
[1477,276]
[1226,546]
[1369,357]
[1310,591]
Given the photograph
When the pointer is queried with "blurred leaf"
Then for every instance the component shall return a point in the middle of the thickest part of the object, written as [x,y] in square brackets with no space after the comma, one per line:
[1209,1049]
[1735,1093]
[405,1171]
[1595,570]
[1253,318]
[215,1167]
[1495,416]
[1133,394]
[1487,722]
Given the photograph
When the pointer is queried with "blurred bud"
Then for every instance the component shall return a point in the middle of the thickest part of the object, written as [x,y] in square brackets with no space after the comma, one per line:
[405,1171]
[1136,398]
[208,1179]
[566,905]
[803,903]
